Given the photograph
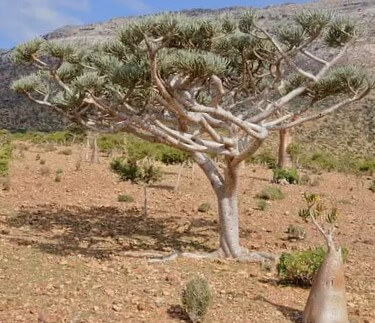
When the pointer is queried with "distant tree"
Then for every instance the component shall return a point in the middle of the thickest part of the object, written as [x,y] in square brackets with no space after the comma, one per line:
[207,87]
[137,171]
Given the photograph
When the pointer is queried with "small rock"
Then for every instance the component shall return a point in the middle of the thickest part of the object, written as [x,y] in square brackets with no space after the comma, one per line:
[116,307]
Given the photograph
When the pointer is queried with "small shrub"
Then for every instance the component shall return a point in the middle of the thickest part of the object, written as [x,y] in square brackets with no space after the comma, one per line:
[131,170]
[127,170]
[66,152]
[172,156]
[367,166]
[125,198]
[204,208]
[270,193]
[298,268]
[196,298]
[289,175]
[296,232]
[372,186]
[262,205]
[58,175]
[45,170]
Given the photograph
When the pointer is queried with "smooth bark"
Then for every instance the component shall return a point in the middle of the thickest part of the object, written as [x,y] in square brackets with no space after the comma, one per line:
[327,301]
[285,139]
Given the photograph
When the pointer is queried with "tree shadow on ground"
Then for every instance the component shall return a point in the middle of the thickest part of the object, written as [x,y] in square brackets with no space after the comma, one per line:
[101,231]
[289,313]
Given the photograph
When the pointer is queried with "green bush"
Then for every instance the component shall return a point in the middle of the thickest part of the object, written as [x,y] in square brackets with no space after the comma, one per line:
[367,166]
[172,156]
[204,208]
[127,170]
[298,268]
[125,198]
[134,171]
[270,193]
[289,175]
[196,298]
[111,142]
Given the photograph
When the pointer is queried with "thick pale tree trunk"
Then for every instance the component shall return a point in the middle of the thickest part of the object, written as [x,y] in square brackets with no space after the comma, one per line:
[225,188]
[327,301]
[285,139]
[228,214]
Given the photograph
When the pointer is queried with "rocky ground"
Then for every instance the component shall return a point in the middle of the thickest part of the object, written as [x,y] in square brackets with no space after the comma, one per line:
[64,245]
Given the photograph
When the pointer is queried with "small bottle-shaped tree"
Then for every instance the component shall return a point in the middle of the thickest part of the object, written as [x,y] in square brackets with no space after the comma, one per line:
[327,299]
[138,171]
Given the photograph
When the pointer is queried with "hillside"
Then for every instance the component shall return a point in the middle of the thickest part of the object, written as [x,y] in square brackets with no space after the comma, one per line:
[351,131]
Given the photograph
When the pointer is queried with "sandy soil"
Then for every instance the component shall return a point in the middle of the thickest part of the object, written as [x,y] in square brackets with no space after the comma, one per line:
[64,244]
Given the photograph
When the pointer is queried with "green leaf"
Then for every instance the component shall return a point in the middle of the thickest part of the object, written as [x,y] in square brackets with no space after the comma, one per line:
[246,22]
[340,32]
[29,83]
[23,53]
[313,21]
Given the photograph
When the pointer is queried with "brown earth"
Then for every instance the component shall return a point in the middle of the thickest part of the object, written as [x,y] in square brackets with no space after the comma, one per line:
[63,245]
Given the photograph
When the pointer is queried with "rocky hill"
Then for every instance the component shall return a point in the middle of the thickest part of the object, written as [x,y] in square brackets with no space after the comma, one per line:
[351,131]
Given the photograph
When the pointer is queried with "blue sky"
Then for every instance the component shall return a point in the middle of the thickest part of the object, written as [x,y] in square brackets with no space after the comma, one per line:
[21,20]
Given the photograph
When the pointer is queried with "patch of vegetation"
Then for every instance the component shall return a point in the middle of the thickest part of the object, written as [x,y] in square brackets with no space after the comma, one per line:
[262,205]
[125,198]
[298,268]
[323,160]
[264,158]
[270,193]
[134,171]
[57,137]
[6,150]
[289,175]
[171,156]
[204,207]
[196,298]
[58,175]
[108,143]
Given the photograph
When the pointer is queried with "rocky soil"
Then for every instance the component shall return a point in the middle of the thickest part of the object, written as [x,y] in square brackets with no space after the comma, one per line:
[65,245]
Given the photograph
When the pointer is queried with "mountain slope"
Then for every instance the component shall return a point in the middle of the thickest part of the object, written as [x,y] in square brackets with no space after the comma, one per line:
[351,130]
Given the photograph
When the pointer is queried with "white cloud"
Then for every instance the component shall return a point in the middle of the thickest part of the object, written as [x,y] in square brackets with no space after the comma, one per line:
[138,6]
[22,20]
